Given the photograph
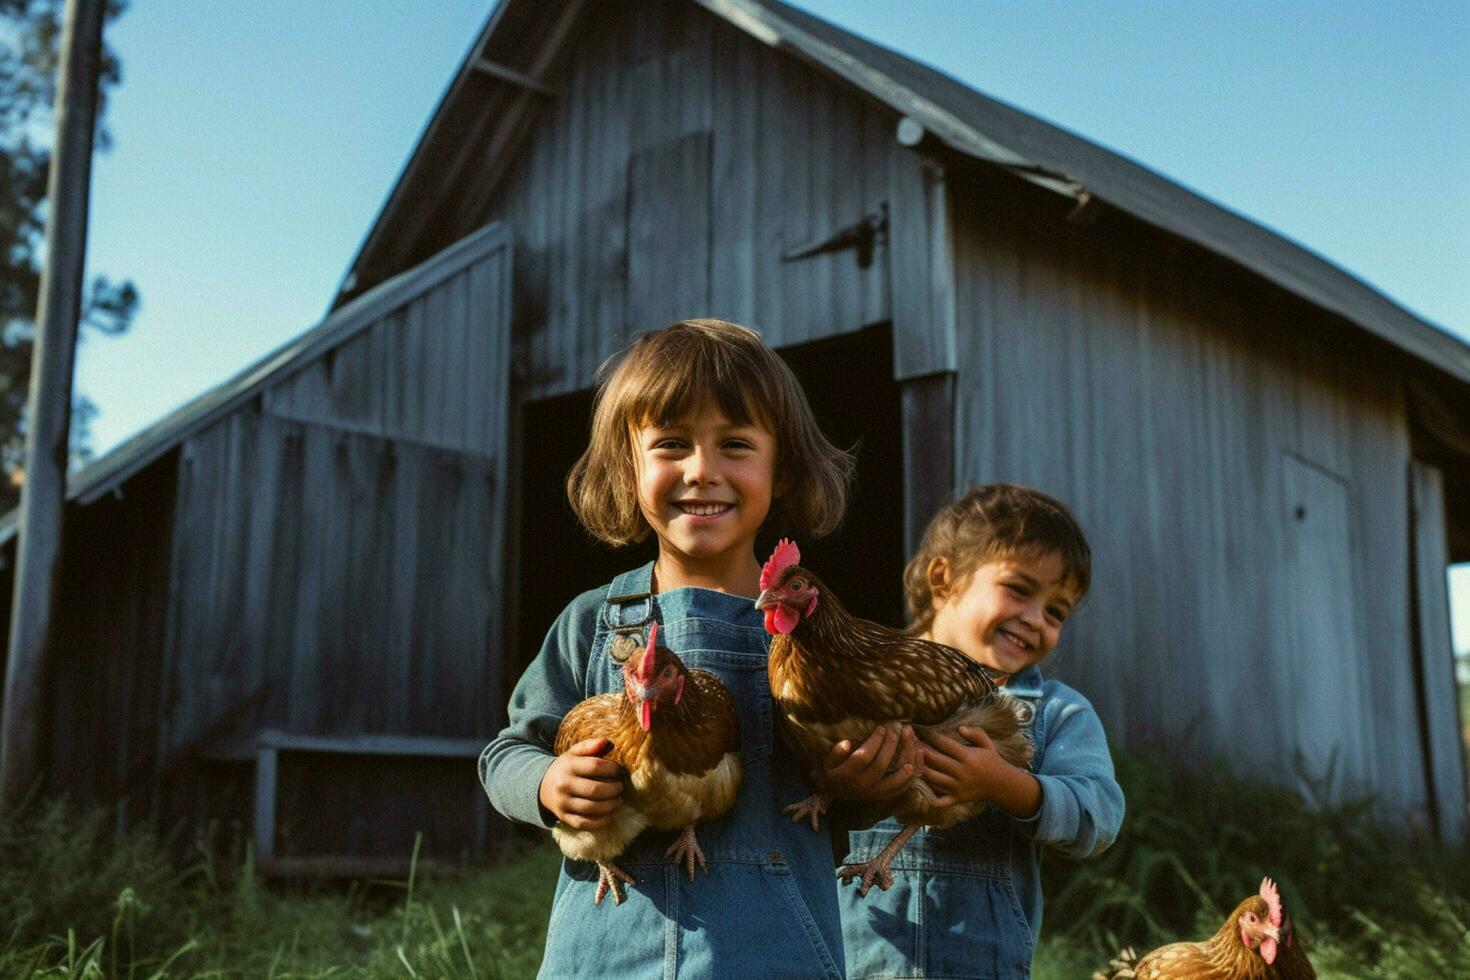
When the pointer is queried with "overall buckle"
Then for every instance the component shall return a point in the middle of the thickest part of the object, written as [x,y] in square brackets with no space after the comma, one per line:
[617,602]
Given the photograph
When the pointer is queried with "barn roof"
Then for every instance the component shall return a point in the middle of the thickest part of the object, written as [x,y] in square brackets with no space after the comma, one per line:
[520,42]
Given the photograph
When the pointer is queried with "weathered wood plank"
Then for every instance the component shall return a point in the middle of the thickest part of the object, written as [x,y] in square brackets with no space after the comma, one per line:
[734,195]
[386,386]
[410,502]
[423,746]
[410,365]
[668,232]
[352,371]
[1436,653]
[352,635]
[193,589]
[874,147]
[480,375]
[921,266]
[439,340]
[605,239]
[796,204]
[928,452]
[771,200]
[279,560]
[1383,536]
[264,823]
[1323,654]
[318,499]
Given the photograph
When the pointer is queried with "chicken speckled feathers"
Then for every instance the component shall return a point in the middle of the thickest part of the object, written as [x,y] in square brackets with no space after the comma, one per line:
[675,731]
[874,672]
[836,677]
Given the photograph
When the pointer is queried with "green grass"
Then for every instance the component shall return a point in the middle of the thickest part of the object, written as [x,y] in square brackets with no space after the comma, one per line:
[79,902]
[1369,901]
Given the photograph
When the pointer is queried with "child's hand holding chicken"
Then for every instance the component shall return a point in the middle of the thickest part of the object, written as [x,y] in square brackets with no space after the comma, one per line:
[973,771]
[875,771]
[582,789]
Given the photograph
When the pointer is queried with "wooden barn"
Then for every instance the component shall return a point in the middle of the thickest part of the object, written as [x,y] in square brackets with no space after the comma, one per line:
[300,601]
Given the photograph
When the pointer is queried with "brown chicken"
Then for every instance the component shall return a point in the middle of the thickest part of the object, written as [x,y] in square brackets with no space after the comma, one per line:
[835,676]
[674,730]
[1255,943]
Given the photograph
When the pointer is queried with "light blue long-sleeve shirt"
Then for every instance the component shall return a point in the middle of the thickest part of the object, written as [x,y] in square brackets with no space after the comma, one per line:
[966,901]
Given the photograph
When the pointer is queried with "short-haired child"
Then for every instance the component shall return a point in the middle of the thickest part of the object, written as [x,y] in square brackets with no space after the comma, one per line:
[997,574]
[699,430]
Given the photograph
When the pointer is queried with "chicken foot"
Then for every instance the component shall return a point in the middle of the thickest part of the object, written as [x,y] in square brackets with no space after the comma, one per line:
[877,870]
[685,850]
[810,809]
[608,877]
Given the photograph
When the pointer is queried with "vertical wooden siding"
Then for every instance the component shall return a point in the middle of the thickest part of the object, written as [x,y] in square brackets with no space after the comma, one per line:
[330,582]
[1445,748]
[1163,399]
[792,158]
[339,540]
[432,371]
[105,689]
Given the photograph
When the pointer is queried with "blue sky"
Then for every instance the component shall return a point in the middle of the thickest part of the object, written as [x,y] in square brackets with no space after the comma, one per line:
[254,144]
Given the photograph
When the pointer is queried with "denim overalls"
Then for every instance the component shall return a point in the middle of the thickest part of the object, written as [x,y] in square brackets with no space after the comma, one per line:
[954,909]
[768,906]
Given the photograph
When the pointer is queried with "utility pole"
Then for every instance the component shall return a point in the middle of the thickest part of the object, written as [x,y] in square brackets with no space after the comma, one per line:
[48,412]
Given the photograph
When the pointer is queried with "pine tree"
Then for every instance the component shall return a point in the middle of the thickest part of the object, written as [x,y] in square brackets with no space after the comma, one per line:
[29,34]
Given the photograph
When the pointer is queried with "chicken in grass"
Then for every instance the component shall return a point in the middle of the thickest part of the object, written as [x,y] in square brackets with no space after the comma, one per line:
[1255,943]
[836,677]
[674,730]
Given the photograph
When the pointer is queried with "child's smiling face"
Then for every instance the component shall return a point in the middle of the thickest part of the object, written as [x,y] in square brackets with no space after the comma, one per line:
[1008,613]
[705,485]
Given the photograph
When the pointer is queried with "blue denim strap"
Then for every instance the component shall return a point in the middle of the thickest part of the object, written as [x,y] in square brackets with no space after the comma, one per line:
[629,604]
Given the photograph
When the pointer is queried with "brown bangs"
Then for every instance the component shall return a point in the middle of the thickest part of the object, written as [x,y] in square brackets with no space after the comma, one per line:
[686,376]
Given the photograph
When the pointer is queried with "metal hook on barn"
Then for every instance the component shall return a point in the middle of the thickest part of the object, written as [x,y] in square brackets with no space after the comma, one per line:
[864,235]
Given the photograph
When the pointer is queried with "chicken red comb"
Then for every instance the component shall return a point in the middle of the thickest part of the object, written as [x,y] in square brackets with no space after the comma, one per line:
[645,669]
[785,555]
[1273,901]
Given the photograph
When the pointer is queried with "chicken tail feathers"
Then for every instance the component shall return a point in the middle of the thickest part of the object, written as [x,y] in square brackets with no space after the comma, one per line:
[925,792]
[1001,718]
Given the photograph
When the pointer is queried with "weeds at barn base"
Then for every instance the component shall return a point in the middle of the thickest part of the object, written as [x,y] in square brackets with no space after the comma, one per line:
[81,901]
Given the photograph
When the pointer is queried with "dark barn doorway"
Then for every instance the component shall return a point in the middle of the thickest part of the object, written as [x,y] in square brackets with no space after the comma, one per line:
[849,381]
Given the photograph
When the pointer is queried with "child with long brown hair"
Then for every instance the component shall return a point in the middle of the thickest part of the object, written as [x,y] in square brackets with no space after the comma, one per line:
[699,432]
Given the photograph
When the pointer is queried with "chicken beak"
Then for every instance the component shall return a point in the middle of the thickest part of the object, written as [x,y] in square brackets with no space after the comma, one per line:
[765,600]
[1273,932]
